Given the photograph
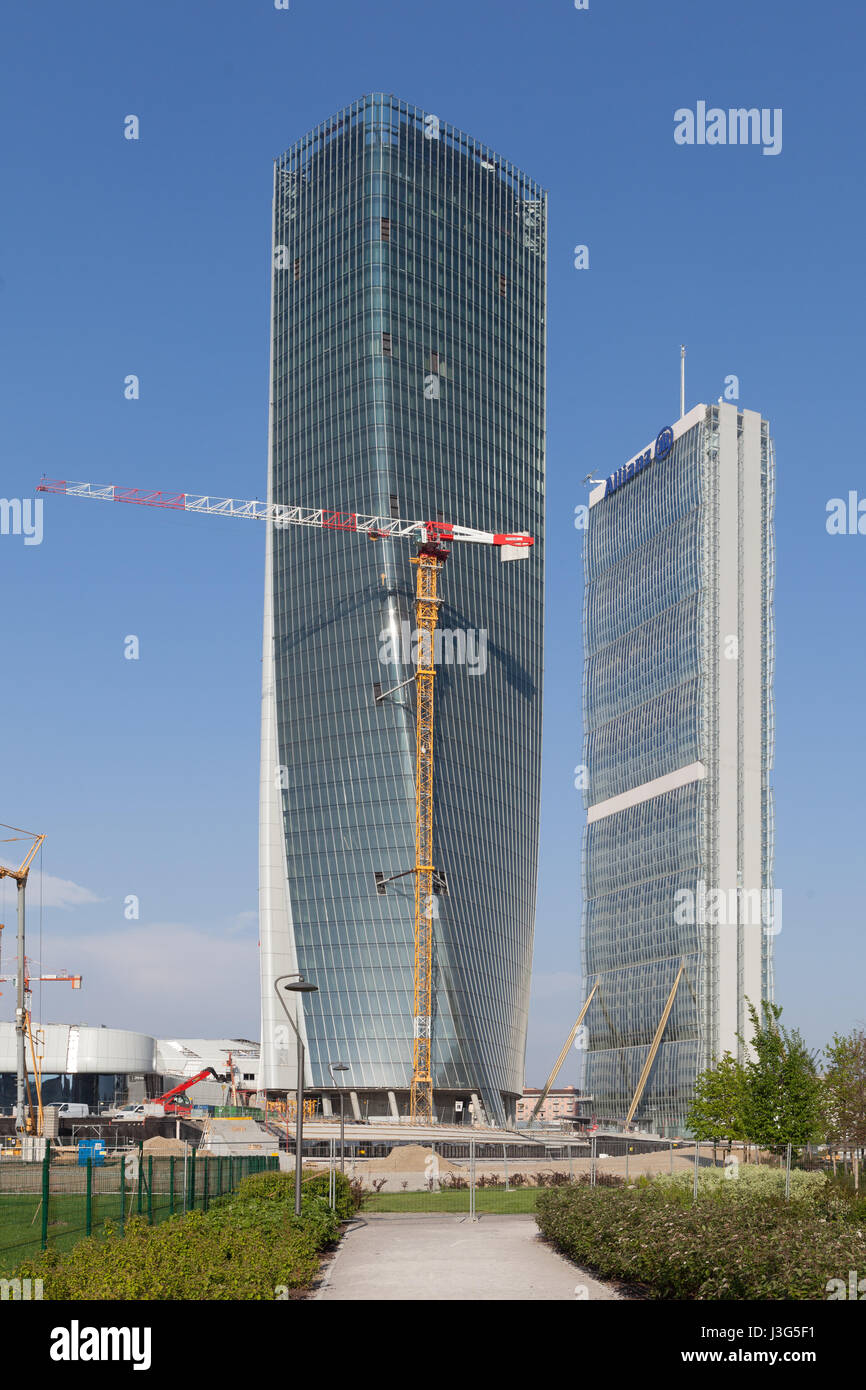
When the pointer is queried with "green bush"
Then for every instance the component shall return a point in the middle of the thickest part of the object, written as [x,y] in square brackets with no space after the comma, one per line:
[751,1247]
[750,1180]
[247,1246]
[346,1198]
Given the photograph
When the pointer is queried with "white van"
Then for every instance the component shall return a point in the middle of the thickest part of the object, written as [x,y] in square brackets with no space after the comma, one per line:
[130,1112]
[72,1109]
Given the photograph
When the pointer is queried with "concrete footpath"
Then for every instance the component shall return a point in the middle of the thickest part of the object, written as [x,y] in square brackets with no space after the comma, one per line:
[409,1257]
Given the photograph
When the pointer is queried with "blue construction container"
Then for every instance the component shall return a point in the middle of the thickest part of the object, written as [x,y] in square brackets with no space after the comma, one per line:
[93,1149]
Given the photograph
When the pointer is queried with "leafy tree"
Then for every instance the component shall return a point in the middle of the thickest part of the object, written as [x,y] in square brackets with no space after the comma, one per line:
[782,1093]
[844,1094]
[716,1111]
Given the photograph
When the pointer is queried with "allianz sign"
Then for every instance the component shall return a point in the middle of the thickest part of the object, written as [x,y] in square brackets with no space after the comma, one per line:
[663,445]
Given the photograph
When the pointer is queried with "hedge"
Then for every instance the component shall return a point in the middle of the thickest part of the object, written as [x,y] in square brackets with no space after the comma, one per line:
[249,1245]
[748,1246]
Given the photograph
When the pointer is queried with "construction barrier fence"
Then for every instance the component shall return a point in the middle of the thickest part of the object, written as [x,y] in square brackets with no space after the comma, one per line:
[53,1204]
[236,1112]
[486,1178]
[482,1178]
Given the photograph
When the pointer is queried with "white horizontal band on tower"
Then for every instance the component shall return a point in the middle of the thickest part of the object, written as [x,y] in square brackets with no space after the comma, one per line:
[694,772]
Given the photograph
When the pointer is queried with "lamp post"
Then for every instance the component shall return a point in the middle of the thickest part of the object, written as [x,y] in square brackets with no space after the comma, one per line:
[297,985]
[340,1066]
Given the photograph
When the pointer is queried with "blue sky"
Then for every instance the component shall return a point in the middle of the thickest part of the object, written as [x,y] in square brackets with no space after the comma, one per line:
[152,257]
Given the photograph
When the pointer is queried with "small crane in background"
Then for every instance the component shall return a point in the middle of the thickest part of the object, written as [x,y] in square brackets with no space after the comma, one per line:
[36,1038]
[20,876]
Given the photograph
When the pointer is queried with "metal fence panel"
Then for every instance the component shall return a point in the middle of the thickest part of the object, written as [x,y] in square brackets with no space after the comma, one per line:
[54,1203]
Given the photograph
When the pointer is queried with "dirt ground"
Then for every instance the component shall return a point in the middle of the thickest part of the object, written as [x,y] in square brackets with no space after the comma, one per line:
[408,1164]
[409,1158]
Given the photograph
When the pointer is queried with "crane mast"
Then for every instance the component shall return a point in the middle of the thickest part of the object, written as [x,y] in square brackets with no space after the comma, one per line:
[20,876]
[430,537]
[429,562]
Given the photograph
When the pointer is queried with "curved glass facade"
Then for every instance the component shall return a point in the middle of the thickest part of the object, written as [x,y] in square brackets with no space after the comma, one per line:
[408,379]
[678,749]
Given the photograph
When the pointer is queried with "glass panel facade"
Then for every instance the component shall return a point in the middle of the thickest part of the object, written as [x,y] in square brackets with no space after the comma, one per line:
[408,380]
[668,590]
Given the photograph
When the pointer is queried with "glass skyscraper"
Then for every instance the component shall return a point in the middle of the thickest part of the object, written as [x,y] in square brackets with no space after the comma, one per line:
[678,849]
[408,380]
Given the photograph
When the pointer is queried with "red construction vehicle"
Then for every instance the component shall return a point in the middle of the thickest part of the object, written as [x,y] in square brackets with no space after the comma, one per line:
[176,1101]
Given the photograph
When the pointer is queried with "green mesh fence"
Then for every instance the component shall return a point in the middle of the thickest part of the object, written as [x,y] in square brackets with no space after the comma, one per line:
[55,1203]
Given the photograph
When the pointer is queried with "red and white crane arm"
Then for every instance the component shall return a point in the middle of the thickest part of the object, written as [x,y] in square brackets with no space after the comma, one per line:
[321,518]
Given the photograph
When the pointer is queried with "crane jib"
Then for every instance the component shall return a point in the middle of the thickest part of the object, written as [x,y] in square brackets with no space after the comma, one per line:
[377,527]
[340,521]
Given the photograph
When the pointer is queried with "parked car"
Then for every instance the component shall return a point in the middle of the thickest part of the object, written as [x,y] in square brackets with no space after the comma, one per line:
[130,1112]
[72,1109]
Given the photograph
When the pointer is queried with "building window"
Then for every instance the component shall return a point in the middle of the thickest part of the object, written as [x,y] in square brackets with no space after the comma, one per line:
[386,345]
[385,229]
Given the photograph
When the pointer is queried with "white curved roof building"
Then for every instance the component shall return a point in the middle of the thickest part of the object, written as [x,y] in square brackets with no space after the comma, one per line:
[103,1065]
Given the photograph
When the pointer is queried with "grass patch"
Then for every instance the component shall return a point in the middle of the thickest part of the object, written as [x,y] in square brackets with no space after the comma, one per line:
[21,1220]
[21,1223]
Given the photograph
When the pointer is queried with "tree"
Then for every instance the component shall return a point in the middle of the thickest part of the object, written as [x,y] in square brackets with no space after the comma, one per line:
[782,1093]
[844,1094]
[716,1111]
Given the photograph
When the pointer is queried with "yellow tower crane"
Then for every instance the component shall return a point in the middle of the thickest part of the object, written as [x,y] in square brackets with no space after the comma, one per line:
[429,561]
[432,537]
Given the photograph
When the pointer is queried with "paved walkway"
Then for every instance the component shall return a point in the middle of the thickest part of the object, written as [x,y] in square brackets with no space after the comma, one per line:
[389,1256]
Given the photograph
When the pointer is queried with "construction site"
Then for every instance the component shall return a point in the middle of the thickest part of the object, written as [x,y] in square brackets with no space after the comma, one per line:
[399,783]
[430,540]
[399,779]
[401,711]
[163,1164]
[36,1052]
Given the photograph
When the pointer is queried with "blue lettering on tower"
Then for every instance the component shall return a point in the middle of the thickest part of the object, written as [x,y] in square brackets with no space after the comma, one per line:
[663,445]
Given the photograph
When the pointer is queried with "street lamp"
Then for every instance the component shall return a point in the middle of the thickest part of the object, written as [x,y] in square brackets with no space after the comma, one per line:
[340,1066]
[298,985]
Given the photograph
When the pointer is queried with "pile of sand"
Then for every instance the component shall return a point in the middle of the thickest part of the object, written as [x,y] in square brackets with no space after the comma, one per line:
[410,1158]
[160,1146]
